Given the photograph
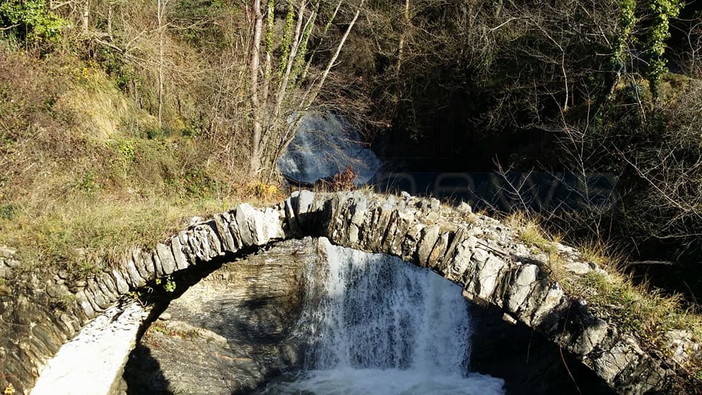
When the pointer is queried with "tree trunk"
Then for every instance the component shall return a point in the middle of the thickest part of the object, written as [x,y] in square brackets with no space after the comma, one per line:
[85,16]
[314,89]
[256,149]
[109,21]
[403,37]
[282,89]
[161,5]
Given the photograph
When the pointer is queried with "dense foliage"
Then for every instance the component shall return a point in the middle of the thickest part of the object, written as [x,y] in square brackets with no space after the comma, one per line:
[30,20]
[562,87]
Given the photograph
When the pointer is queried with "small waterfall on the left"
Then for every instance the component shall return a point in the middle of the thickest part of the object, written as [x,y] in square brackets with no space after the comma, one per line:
[378,325]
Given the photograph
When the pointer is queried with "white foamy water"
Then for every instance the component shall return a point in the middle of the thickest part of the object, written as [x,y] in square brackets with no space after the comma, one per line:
[350,381]
[382,326]
[93,361]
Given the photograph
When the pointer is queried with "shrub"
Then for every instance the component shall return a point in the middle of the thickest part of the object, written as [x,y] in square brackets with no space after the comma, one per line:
[30,20]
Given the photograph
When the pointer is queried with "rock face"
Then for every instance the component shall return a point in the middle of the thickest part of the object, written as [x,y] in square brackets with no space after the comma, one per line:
[229,332]
[37,315]
[482,255]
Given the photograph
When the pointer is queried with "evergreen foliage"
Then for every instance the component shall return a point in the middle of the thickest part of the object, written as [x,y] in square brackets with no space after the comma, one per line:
[30,20]
[662,11]
[627,21]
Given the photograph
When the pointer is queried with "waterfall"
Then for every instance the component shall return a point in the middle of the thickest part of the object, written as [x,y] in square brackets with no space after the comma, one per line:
[381,326]
[324,145]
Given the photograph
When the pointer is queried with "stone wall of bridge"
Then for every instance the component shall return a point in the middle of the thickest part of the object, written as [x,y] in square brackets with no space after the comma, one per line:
[484,256]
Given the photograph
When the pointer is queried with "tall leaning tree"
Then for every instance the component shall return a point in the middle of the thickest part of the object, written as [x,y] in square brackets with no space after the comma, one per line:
[289,70]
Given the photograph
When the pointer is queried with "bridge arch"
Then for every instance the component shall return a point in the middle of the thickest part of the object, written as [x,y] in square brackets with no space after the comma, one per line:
[481,254]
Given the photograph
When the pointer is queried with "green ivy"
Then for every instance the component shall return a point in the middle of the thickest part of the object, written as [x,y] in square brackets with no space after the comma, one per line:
[7,212]
[662,11]
[30,20]
[627,21]
[168,283]
[270,25]
[659,12]
[299,63]
[126,149]
[286,43]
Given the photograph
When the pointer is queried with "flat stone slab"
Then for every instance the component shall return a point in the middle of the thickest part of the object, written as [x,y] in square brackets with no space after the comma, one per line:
[93,361]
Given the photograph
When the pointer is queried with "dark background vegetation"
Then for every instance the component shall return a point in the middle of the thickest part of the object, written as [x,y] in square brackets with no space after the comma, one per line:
[568,87]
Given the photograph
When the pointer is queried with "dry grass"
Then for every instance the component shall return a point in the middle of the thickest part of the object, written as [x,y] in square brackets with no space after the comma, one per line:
[600,254]
[533,235]
[84,236]
[647,314]
[83,179]
[639,309]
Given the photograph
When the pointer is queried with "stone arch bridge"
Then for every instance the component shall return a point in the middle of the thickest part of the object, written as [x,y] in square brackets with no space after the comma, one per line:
[481,254]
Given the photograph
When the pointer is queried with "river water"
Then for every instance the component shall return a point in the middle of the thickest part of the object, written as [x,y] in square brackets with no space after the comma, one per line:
[380,326]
